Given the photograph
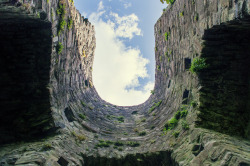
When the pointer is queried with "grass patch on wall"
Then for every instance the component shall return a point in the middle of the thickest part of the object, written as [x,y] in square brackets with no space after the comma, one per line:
[79,137]
[198,64]
[83,117]
[173,122]
[155,105]
[70,23]
[59,48]
[166,36]
[61,12]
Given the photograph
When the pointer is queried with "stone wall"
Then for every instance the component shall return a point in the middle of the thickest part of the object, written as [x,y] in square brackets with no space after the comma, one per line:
[91,131]
[210,29]
[225,83]
[25,65]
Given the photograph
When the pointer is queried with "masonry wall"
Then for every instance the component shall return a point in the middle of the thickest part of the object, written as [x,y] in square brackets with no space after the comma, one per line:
[90,131]
[25,66]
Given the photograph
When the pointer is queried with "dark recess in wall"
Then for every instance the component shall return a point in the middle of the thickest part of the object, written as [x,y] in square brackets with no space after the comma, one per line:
[69,114]
[25,66]
[161,158]
[185,96]
[225,82]
[187,63]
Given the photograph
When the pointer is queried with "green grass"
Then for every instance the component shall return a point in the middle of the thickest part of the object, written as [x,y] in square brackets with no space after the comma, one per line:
[184,125]
[83,103]
[80,137]
[196,17]
[143,120]
[198,64]
[184,113]
[152,141]
[59,48]
[171,2]
[46,147]
[181,14]
[176,133]
[61,11]
[181,113]
[142,133]
[171,123]
[166,36]
[155,105]
[120,119]
[193,104]
[133,144]
[103,143]
[70,23]
[158,68]
[118,143]
[83,117]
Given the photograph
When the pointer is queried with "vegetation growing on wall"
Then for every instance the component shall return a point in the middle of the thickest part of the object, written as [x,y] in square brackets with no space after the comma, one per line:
[79,137]
[166,36]
[59,48]
[198,64]
[83,117]
[181,14]
[143,133]
[61,11]
[168,1]
[108,143]
[155,105]
[173,122]
[119,119]
[70,23]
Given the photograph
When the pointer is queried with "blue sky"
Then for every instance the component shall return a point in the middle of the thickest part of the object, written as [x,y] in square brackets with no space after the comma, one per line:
[124,65]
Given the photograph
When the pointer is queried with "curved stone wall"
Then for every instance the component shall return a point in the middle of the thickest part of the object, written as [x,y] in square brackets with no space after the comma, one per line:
[91,131]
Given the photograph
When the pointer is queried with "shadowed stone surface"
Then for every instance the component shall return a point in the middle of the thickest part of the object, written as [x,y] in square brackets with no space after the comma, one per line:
[91,131]
[25,66]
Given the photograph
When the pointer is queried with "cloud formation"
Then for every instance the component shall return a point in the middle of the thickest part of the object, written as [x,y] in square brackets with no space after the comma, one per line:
[100,6]
[126,4]
[117,68]
[127,26]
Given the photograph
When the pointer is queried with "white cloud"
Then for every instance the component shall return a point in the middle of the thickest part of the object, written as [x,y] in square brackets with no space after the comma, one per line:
[127,5]
[115,65]
[127,25]
[100,6]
